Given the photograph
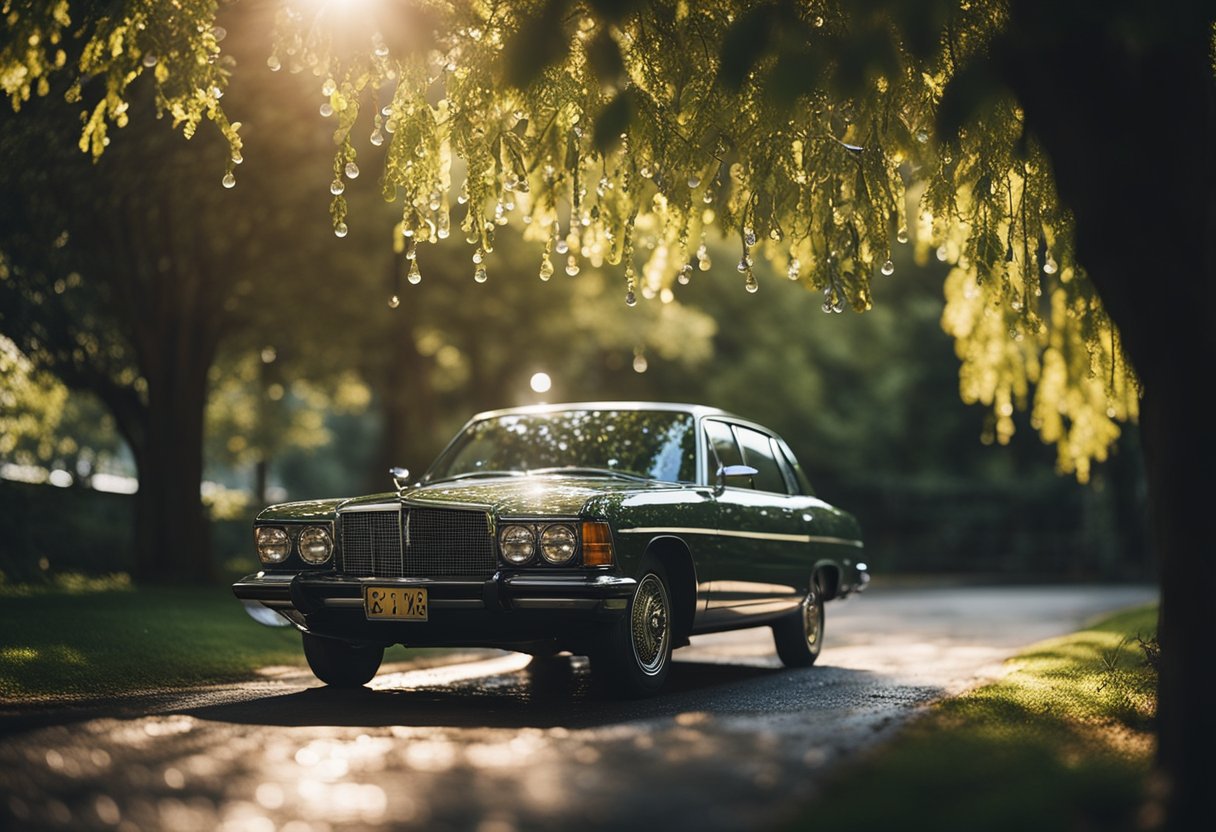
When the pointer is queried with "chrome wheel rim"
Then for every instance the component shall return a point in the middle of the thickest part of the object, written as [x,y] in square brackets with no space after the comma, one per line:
[650,624]
[812,619]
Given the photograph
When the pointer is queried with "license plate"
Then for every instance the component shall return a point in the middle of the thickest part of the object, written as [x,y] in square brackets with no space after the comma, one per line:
[395,602]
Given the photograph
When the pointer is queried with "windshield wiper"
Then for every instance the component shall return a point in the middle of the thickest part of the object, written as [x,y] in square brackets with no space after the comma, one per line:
[589,470]
[467,475]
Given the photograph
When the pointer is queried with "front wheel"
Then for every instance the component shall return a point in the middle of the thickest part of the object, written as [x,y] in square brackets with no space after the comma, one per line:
[634,657]
[799,636]
[341,664]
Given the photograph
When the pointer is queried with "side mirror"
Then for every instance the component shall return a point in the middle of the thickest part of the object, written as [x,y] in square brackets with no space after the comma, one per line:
[727,471]
[401,477]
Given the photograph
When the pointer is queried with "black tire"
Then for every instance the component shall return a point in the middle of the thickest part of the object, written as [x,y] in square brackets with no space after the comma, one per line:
[799,636]
[633,658]
[341,664]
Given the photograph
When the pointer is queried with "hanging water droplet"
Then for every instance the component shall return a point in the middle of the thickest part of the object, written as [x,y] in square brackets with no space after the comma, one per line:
[336,187]
[478,256]
[572,267]
[340,230]
[631,299]
[902,235]
[749,237]
[827,306]
[795,269]
[150,60]
[237,158]
[394,301]
[750,284]
[685,274]
[273,63]
[694,181]
[411,253]
[838,306]
[640,364]
[942,253]
[381,51]
[743,264]
[645,171]
[888,268]
[775,234]
[377,137]
[390,126]
[922,136]
[708,198]
[818,21]
[480,275]
[546,267]
[229,181]
[328,87]
[561,246]
[326,109]
[1050,267]
[414,276]
[352,170]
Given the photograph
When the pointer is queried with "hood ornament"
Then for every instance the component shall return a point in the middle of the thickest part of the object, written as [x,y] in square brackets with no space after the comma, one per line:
[401,478]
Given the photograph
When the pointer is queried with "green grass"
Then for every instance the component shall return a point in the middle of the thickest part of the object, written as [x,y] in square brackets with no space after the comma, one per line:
[1064,742]
[99,637]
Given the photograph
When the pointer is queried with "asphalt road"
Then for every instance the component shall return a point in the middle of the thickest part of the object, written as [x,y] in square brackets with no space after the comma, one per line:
[494,745]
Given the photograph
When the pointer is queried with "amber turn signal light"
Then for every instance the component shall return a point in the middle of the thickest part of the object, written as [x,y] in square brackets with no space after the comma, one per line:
[597,544]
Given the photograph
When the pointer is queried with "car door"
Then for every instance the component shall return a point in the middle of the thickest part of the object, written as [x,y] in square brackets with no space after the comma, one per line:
[753,555]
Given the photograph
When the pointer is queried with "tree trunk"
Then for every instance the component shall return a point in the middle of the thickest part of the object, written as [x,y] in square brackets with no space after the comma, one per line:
[1123,100]
[172,533]
[409,398]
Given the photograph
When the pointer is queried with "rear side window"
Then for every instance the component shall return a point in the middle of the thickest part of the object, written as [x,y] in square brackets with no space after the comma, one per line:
[758,453]
[804,485]
[722,441]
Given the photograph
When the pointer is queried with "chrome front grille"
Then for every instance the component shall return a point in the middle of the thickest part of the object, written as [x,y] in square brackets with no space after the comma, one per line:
[371,543]
[438,543]
[448,542]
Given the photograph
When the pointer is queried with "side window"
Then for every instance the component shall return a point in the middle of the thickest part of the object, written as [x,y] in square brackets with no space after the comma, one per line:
[787,473]
[722,441]
[804,485]
[758,453]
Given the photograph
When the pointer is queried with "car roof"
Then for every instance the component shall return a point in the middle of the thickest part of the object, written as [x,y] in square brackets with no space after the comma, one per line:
[697,410]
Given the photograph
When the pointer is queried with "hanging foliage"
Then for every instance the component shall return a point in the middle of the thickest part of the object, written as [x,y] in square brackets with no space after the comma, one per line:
[814,134]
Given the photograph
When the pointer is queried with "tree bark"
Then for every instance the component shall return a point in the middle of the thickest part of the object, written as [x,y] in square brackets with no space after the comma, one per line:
[171,528]
[1130,125]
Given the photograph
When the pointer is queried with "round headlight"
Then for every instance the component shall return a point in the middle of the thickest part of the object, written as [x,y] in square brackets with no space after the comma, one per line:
[273,544]
[517,544]
[315,545]
[557,544]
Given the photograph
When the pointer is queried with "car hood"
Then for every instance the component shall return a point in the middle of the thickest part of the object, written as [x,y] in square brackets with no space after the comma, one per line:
[536,495]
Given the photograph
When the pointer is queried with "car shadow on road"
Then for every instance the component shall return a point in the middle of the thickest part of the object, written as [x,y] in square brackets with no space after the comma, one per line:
[546,694]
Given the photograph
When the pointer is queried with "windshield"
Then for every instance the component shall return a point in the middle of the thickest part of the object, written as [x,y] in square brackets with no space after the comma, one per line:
[655,444]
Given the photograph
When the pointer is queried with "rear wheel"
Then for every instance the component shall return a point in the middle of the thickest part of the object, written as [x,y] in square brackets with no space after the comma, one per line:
[634,657]
[341,664]
[799,636]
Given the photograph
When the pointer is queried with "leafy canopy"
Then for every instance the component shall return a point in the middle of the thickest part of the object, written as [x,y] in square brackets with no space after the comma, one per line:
[819,134]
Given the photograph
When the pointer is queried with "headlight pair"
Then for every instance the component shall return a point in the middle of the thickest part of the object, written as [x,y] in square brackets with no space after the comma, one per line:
[557,543]
[274,544]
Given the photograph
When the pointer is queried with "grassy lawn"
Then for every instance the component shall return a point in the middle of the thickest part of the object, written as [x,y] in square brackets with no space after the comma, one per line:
[1064,742]
[95,638]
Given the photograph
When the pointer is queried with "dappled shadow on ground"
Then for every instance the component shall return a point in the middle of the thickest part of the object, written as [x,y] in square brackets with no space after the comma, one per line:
[544,694]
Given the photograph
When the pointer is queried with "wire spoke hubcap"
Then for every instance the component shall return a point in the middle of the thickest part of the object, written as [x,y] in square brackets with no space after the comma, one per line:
[649,625]
[812,618]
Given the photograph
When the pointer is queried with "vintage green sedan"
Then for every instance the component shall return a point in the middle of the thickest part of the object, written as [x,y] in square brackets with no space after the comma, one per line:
[615,530]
